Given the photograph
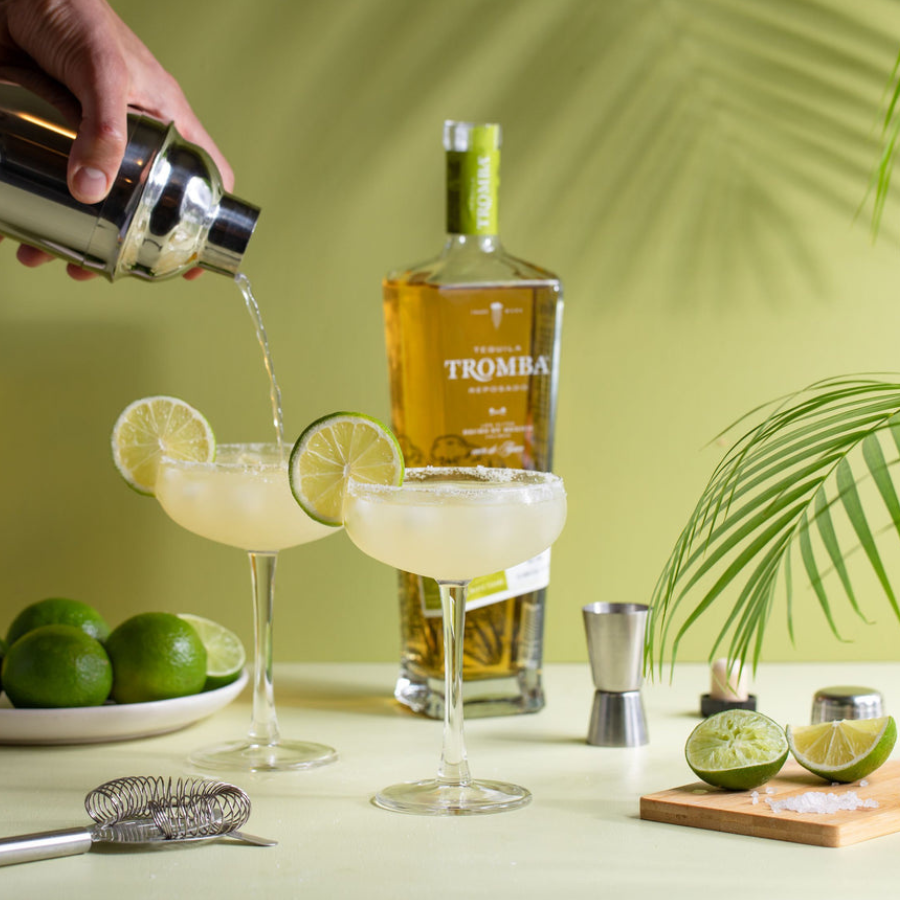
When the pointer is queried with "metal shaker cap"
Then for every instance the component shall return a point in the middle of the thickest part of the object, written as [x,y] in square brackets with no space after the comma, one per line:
[228,235]
[846,702]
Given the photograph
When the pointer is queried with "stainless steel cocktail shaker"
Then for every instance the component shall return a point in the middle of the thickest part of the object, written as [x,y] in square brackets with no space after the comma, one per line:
[166,212]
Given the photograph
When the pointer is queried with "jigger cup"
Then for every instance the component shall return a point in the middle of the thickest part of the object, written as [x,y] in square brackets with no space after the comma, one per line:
[615,639]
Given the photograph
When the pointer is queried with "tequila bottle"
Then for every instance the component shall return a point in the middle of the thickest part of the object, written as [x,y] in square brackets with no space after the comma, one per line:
[473,341]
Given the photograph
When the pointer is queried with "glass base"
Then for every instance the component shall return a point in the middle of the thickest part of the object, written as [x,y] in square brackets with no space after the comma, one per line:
[244,756]
[437,798]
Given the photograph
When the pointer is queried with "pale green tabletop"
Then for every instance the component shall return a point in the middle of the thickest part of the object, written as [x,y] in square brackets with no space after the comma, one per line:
[580,837]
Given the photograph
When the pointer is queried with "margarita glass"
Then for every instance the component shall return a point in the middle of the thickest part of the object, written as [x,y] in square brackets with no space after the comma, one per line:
[244,499]
[453,525]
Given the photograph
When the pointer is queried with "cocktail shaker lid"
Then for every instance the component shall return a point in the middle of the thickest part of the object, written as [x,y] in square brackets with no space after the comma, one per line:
[229,235]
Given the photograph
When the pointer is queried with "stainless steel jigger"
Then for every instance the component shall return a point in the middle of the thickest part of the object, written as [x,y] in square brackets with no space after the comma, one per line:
[615,639]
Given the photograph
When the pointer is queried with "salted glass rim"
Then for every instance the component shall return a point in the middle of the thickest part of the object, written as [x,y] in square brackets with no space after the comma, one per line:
[273,457]
[528,485]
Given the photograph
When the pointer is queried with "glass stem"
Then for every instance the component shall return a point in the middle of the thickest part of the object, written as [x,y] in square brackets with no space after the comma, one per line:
[454,768]
[264,725]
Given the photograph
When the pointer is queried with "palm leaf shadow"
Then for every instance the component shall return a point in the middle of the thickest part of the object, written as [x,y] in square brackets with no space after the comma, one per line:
[718,128]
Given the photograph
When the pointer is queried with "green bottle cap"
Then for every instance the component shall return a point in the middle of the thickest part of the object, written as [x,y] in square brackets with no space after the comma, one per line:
[473,177]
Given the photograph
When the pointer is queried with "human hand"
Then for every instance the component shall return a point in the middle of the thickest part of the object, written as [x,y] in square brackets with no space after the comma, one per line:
[81,57]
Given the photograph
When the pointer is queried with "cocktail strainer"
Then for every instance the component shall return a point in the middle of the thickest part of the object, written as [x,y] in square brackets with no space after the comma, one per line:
[143,812]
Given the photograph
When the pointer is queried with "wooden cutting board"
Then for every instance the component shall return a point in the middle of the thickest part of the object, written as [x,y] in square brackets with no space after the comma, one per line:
[701,806]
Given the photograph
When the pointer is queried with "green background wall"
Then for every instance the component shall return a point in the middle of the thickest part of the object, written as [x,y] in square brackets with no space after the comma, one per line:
[691,168]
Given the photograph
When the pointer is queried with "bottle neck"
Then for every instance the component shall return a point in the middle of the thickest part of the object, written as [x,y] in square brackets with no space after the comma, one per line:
[473,182]
[472,243]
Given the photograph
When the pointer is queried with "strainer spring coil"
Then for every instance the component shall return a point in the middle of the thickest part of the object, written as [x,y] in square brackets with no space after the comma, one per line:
[180,808]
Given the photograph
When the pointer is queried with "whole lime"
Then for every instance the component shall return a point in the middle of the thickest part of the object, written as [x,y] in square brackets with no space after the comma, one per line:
[58,611]
[155,656]
[56,666]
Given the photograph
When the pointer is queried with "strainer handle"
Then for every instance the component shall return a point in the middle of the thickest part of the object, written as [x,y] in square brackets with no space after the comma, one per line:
[44,845]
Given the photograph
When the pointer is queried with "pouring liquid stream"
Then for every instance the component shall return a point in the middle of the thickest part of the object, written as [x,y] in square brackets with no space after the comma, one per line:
[243,282]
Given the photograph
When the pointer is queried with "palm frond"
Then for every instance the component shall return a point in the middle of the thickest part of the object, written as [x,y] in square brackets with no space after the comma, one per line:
[881,179]
[814,478]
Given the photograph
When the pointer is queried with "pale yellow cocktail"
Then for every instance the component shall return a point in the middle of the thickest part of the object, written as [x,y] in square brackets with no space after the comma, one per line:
[452,525]
[243,499]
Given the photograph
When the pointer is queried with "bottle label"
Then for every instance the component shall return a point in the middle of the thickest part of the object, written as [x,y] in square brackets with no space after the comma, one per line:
[473,181]
[477,376]
[531,575]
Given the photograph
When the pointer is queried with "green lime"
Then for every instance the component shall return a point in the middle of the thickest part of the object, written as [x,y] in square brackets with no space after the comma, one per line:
[334,448]
[844,750]
[2,654]
[155,656]
[154,427]
[56,666]
[58,611]
[737,749]
[225,655]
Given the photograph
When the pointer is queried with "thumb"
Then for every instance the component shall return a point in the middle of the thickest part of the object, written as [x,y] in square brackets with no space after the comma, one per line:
[99,146]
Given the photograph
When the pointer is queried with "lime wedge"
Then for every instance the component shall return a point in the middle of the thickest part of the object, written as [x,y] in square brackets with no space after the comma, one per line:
[844,750]
[737,749]
[154,427]
[331,450]
[225,655]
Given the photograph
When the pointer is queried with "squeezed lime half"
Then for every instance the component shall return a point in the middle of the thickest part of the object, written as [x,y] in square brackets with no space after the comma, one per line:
[738,749]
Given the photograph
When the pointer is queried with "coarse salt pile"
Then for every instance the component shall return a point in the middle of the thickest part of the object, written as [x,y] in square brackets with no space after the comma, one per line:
[819,802]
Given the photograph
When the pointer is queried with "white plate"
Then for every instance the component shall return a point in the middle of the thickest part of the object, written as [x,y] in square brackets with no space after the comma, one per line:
[112,722]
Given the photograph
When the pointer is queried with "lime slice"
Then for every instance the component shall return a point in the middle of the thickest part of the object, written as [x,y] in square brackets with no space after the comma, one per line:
[737,749]
[225,655]
[158,426]
[331,450]
[844,750]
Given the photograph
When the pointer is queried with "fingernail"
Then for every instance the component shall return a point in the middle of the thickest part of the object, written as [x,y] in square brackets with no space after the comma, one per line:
[91,184]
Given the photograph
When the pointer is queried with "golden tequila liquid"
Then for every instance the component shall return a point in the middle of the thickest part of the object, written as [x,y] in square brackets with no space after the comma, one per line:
[473,371]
